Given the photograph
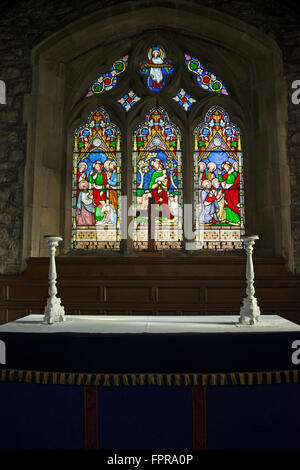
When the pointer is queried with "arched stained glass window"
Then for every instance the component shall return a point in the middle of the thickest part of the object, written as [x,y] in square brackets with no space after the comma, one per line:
[157,177]
[158,73]
[218,182]
[96,183]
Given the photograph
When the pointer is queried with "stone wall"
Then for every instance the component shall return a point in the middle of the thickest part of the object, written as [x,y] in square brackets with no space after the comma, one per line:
[24,24]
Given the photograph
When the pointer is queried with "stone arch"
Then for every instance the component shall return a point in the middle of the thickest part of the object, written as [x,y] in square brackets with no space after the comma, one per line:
[250,63]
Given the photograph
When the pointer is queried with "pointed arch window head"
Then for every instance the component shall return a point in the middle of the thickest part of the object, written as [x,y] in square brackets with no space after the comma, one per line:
[157,164]
[157,68]
[108,80]
[207,80]
[96,183]
[218,182]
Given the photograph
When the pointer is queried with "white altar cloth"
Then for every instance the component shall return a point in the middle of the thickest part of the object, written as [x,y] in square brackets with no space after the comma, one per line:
[148,324]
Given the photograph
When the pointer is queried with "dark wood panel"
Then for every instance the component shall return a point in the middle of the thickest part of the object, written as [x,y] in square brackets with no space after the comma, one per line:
[178,294]
[15,314]
[279,293]
[225,294]
[156,266]
[140,312]
[127,294]
[27,292]
[87,311]
[78,292]
[151,285]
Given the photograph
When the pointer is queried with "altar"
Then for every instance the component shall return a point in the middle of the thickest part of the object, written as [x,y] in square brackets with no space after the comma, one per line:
[146,382]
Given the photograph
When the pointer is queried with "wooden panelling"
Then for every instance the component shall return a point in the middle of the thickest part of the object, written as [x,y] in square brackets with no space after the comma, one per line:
[151,285]
[127,294]
[140,311]
[3,316]
[85,311]
[279,293]
[187,295]
[14,314]
[225,294]
[72,293]
[166,313]
[27,292]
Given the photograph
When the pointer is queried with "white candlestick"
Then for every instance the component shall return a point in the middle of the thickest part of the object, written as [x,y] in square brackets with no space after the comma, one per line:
[250,307]
[54,311]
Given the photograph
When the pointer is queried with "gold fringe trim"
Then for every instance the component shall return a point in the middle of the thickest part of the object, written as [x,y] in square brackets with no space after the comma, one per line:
[151,379]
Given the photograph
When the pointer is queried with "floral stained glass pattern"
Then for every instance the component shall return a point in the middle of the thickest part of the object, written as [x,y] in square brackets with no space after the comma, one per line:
[184,99]
[218,182]
[156,68]
[207,80]
[157,177]
[129,100]
[108,80]
[96,183]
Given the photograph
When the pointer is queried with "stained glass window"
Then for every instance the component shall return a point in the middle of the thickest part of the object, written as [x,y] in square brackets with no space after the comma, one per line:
[218,182]
[184,99]
[207,80]
[157,68]
[157,175]
[129,100]
[96,183]
[108,80]
[157,220]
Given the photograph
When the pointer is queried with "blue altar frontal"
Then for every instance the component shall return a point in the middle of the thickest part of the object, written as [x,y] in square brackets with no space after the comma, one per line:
[179,383]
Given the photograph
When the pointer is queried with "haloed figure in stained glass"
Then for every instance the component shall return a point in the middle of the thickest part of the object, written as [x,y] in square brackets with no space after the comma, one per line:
[81,175]
[159,185]
[98,180]
[218,181]
[85,204]
[96,183]
[208,203]
[111,170]
[229,179]
[157,69]
[157,175]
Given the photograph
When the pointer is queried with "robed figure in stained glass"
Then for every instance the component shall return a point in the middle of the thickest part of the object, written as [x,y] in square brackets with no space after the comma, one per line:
[218,181]
[157,69]
[112,179]
[85,205]
[208,204]
[98,180]
[159,185]
[157,174]
[96,183]
[230,182]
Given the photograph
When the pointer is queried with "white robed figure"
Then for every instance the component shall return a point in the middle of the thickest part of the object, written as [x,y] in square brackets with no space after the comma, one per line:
[157,59]
[156,68]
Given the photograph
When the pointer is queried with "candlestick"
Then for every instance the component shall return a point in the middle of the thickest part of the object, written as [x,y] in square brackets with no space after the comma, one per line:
[250,308]
[54,311]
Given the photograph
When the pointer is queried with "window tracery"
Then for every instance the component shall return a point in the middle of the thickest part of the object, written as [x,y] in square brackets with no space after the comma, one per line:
[158,156]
